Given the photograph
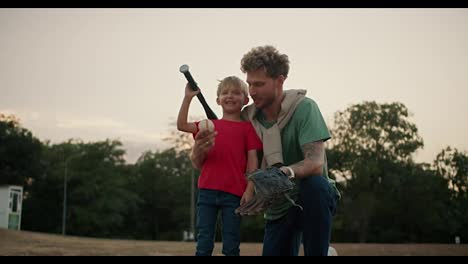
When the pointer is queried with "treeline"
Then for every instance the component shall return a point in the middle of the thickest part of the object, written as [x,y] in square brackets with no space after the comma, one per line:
[386,196]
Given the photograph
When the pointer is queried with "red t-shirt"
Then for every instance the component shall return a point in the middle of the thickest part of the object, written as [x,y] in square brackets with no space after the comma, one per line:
[226,163]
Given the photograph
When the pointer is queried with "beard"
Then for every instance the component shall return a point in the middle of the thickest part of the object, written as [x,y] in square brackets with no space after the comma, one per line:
[264,102]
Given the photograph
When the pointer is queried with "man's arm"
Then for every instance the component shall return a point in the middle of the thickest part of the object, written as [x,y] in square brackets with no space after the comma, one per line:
[204,141]
[314,159]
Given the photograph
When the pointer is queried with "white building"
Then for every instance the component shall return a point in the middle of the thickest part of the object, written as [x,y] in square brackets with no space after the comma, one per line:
[11,201]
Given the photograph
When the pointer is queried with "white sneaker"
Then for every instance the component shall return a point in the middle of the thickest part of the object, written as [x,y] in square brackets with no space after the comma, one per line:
[332,252]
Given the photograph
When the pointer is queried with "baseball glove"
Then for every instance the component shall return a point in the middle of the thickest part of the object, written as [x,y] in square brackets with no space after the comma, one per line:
[270,185]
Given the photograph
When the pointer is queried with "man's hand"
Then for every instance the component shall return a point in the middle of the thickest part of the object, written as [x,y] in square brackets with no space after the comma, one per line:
[257,205]
[248,194]
[204,141]
[270,185]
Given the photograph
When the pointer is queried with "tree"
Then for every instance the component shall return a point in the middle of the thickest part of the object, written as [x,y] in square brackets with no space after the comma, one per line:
[411,207]
[377,130]
[46,193]
[368,140]
[452,164]
[20,153]
[98,199]
[162,180]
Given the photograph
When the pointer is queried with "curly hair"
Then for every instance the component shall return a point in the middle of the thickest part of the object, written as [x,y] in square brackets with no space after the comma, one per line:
[267,57]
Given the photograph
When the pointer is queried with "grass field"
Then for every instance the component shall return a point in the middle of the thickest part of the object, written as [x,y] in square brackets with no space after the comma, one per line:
[21,243]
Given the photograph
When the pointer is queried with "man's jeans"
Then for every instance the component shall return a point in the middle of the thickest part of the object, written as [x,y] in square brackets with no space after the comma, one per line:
[312,225]
[208,204]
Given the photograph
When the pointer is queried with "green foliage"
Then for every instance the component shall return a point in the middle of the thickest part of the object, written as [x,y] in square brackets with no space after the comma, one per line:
[452,165]
[20,153]
[412,206]
[163,181]
[98,197]
[46,194]
[386,196]
[97,194]
[375,130]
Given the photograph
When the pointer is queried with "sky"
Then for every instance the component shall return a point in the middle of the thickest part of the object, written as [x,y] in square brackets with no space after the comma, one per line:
[93,74]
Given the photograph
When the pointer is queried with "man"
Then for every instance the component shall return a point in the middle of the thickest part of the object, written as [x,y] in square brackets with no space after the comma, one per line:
[293,132]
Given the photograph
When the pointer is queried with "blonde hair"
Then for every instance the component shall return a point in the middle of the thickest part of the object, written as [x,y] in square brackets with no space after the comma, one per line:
[267,57]
[232,81]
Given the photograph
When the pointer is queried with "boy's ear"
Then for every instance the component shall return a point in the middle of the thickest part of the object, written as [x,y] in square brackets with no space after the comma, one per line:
[217,101]
[246,100]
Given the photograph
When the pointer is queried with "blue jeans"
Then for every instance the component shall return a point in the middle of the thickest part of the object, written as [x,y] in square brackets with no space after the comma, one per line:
[312,225]
[208,204]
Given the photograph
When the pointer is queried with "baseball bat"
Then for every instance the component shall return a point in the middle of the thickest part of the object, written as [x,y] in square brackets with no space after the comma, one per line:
[209,113]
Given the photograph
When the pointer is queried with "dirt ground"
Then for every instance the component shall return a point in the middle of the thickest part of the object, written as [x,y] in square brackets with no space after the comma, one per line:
[22,243]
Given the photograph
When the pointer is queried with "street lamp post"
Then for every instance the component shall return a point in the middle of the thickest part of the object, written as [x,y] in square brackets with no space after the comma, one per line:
[65,183]
[192,207]
[64,211]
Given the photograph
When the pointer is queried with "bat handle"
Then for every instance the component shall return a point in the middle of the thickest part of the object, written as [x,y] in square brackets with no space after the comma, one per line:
[191,81]
[185,70]
[209,113]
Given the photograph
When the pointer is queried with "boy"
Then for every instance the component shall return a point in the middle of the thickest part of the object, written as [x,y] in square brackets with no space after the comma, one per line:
[222,183]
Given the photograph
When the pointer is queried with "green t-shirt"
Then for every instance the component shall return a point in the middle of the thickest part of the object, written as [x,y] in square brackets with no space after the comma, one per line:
[305,126]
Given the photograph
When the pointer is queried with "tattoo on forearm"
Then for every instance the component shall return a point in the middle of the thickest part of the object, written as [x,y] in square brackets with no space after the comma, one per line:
[314,154]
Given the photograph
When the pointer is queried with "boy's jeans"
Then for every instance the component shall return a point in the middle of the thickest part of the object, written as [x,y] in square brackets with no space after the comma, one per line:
[312,226]
[208,204]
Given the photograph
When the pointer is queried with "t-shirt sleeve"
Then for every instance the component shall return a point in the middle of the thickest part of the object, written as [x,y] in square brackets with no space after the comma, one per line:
[253,141]
[312,126]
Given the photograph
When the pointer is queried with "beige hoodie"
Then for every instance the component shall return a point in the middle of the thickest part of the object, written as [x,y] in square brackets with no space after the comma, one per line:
[271,137]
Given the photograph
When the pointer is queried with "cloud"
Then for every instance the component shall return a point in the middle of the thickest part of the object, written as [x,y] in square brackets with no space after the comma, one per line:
[23,115]
[135,149]
[9,112]
[34,116]
[90,123]
[110,128]
[141,135]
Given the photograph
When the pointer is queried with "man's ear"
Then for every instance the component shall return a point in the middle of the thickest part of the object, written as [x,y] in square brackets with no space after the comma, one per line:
[246,100]
[281,79]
